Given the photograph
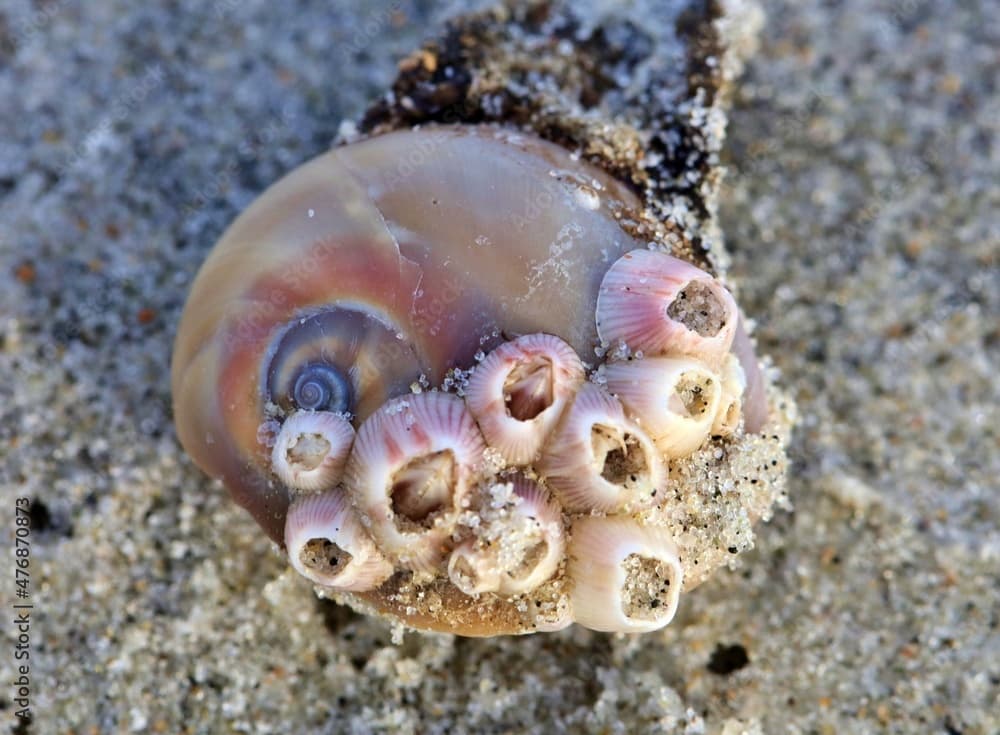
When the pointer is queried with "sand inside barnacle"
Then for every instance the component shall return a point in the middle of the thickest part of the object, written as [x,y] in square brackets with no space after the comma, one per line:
[622,454]
[691,394]
[730,419]
[423,488]
[516,540]
[647,586]
[531,554]
[324,556]
[520,546]
[308,451]
[528,389]
[463,573]
[699,309]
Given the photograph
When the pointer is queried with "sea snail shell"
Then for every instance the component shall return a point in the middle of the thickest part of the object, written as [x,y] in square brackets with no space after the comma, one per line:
[371,277]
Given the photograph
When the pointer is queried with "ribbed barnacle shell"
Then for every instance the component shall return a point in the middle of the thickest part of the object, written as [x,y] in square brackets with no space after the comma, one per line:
[626,576]
[410,473]
[328,545]
[656,304]
[730,411]
[518,551]
[674,399]
[311,449]
[520,390]
[599,459]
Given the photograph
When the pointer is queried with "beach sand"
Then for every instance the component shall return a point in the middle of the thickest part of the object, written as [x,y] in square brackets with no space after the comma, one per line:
[862,211]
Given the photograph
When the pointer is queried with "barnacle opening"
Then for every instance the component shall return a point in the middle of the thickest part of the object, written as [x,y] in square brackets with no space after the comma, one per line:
[473,568]
[693,394]
[463,574]
[621,455]
[324,557]
[699,307]
[423,488]
[728,419]
[647,588]
[529,388]
[308,451]
[531,557]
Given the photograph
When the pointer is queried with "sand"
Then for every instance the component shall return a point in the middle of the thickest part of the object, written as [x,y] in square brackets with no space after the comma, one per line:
[862,212]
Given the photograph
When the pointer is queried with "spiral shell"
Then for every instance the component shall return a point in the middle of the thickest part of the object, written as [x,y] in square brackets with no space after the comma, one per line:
[439,292]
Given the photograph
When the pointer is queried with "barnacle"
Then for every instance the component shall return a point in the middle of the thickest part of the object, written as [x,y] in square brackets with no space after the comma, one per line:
[311,449]
[660,305]
[600,460]
[520,390]
[327,544]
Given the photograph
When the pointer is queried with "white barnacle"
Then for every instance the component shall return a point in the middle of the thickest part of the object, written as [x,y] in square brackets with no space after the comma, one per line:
[311,449]
[662,305]
[625,577]
[518,550]
[674,399]
[599,459]
[411,468]
[327,544]
[519,391]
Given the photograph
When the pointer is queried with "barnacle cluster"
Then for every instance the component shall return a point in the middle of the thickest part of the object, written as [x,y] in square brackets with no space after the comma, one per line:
[540,471]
